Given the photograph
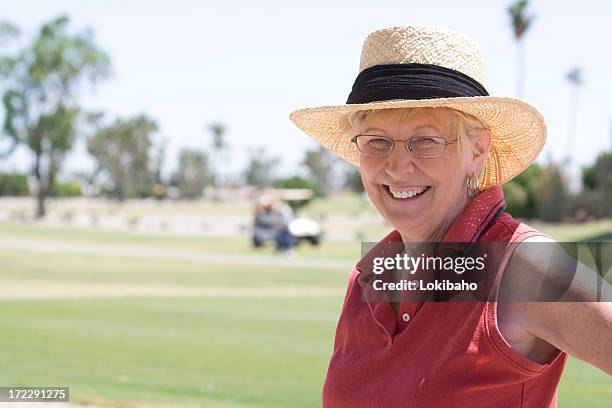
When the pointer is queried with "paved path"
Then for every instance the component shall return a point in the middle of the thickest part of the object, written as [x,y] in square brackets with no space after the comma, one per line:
[171,254]
[46,289]
[49,289]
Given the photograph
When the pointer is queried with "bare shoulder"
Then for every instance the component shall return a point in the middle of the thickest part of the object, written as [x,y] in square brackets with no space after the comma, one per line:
[512,316]
[550,300]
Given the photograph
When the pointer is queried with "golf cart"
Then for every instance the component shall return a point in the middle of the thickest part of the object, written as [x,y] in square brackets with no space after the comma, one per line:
[274,216]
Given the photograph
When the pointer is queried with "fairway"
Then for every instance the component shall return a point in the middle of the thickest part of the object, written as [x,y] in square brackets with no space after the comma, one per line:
[138,330]
[179,352]
[213,204]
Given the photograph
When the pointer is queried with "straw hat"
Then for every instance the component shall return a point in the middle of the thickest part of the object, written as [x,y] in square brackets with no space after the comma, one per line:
[424,66]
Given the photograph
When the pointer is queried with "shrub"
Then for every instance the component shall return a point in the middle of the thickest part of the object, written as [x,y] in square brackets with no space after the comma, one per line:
[295,182]
[550,194]
[589,204]
[516,197]
[527,180]
[14,184]
[603,179]
[67,189]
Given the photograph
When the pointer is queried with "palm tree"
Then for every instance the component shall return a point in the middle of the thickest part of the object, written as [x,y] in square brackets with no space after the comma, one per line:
[521,22]
[574,77]
[219,146]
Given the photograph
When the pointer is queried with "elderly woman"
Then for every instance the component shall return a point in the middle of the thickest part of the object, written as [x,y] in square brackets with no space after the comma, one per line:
[433,149]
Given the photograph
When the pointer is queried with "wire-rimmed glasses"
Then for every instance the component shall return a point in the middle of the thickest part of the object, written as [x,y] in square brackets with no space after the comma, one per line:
[382,146]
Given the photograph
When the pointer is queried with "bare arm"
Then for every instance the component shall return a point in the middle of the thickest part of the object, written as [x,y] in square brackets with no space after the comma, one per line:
[577,324]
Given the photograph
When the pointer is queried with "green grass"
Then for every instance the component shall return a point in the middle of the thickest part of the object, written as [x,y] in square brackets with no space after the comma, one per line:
[346,203]
[584,386]
[195,352]
[241,245]
[131,207]
[229,245]
[341,203]
[16,265]
[119,237]
[200,352]
[192,351]
[588,231]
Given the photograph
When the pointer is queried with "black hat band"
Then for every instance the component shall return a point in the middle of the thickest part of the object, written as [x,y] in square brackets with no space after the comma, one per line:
[412,81]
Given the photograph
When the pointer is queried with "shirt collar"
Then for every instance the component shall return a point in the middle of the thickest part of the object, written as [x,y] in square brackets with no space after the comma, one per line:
[467,227]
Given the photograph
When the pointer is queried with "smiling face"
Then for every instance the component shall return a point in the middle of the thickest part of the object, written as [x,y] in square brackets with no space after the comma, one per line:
[420,196]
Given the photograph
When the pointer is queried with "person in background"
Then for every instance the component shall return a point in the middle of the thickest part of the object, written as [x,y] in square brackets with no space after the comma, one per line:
[272,220]
[284,239]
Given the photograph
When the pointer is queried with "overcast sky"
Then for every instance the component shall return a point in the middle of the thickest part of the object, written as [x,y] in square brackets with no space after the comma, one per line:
[191,63]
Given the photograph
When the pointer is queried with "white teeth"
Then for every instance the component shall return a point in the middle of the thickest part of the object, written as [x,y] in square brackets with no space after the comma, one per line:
[406,193]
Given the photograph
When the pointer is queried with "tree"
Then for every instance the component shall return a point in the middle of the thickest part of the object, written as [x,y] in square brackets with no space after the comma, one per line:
[551,194]
[159,155]
[320,165]
[595,199]
[41,85]
[515,196]
[193,173]
[574,77]
[521,22]
[219,148]
[13,184]
[295,182]
[589,182]
[259,171]
[603,179]
[122,151]
[519,192]
[8,32]
[352,179]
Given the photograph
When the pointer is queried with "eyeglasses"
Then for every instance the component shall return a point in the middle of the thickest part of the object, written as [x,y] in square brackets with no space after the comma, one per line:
[382,146]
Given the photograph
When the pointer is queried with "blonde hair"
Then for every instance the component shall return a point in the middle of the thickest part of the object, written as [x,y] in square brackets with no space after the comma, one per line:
[465,126]
[462,125]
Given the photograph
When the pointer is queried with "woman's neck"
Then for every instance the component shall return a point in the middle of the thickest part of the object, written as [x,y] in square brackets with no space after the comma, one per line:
[434,233]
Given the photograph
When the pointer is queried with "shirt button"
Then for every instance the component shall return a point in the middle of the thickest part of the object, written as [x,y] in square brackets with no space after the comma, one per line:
[406,317]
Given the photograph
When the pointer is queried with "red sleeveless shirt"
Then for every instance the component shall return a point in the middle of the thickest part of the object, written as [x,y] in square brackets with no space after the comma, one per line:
[437,354]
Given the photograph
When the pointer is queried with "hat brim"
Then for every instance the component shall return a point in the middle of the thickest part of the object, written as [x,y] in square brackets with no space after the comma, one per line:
[518,130]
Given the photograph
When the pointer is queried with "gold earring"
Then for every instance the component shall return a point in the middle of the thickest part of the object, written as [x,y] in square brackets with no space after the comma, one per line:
[473,186]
